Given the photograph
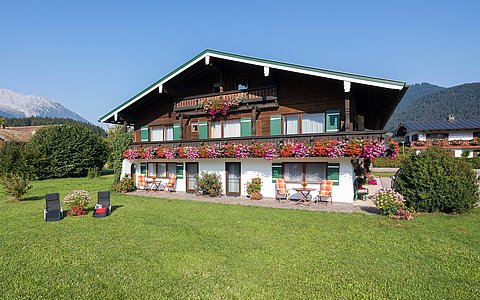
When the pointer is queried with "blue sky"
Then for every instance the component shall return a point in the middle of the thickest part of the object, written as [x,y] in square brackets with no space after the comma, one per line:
[92,55]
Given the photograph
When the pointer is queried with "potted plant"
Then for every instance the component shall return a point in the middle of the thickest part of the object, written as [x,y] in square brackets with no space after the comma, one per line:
[77,202]
[254,188]
[304,184]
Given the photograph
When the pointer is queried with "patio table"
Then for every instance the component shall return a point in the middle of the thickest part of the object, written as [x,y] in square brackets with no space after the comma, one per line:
[304,192]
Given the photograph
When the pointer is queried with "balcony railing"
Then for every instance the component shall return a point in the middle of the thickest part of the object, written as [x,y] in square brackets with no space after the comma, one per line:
[249,96]
[277,139]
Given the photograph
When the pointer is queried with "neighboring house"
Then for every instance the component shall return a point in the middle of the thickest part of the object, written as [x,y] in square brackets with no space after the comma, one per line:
[274,102]
[461,137]
[17,134]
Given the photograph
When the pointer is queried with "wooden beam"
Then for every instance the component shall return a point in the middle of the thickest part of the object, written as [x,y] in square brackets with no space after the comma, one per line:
[346,89]
[181,126]
[254,120]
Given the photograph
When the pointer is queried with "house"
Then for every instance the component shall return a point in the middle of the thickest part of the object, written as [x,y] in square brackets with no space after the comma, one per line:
[222,112]
[461,137]
[17,134]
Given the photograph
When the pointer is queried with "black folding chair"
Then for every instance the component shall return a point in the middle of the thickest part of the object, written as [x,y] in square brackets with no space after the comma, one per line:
[53,209]
[103,202]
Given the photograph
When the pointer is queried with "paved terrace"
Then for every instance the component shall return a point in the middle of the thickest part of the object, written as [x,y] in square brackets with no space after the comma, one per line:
[358,206]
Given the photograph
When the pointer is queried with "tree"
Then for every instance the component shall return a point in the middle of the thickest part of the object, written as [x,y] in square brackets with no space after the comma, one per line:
[118,141]
[67,150]
[14,158]
[436,181]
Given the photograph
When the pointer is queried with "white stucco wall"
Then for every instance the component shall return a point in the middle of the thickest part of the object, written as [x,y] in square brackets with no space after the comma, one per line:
[254,167]
[460,135]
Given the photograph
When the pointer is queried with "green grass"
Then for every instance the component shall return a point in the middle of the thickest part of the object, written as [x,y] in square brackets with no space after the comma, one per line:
[151,248]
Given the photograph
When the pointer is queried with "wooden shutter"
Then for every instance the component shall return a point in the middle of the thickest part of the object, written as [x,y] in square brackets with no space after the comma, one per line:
[333,173]
[144,134]
[143,169]
[277,172]
[179,170]
[176,131]
[332,121]
[275,125]
[246,127]
[203,130]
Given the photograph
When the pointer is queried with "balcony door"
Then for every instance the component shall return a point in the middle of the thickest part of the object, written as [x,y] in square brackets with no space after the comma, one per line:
[233,177]
[192,170]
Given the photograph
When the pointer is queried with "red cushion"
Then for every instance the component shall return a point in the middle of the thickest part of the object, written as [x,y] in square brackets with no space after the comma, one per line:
[101,210]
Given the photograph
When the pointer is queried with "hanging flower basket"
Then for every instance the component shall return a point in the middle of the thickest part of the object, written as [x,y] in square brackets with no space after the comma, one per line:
[220,106]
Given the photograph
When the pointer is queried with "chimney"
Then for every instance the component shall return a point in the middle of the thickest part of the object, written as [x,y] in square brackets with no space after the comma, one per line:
[451,117]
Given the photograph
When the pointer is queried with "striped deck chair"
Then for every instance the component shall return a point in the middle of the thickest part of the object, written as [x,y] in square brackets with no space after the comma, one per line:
[325,192]
[281,190]
[172,183]
[142,184]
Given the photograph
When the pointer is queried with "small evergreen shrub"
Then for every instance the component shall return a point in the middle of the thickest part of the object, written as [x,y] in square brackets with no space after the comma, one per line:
[125,185]
[435,181]
[15,185]
[208,184]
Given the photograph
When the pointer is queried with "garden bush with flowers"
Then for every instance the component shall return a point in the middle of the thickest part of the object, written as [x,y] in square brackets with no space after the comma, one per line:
[125,185]
[366,149]
[76,202]
[390,203]
[254,188]
[208,184]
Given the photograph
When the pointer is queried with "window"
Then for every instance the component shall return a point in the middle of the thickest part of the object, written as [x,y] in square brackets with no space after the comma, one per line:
[241,84]
[414,137]
[310,172]
[290,124]
[169,133]
[216,87]
[215,130]
[231,128]
[157,133]
[161,170]
[313,123]
[437,136]
[476,134]
[194,127]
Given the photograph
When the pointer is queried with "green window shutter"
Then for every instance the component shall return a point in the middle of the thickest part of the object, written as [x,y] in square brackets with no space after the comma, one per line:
[333,173]
[203,130]
[144,134]
[179,170]
[275,125]
[276,172]
[246,127]
[176,131]
[143,169]
[333,121]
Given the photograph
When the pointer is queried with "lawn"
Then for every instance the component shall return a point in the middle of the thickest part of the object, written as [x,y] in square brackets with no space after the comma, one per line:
[151,248]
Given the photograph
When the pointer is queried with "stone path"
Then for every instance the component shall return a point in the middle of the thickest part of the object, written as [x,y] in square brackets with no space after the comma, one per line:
[358,206]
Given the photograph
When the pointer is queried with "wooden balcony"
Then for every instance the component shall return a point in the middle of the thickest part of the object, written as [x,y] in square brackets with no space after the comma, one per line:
[277,139]
[249,96]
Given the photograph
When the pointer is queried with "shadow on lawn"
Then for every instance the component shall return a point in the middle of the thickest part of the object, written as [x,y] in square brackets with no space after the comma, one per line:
[34,198]
[92,208]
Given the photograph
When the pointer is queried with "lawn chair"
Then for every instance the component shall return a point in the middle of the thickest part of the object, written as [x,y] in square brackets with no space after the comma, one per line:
[172,183]
[103,208]
[360,193]
[53,209]
[142,184]
[281,190]
[325,192]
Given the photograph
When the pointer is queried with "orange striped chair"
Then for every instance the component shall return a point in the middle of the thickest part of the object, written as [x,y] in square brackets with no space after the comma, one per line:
[142,184]
[325,193]
[171,184]
[281,190]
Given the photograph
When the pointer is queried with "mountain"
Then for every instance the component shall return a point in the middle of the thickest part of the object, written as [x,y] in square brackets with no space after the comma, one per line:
[426,102]
[16,105]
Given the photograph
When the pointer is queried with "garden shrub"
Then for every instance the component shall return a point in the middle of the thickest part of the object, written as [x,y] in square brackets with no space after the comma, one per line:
[76,202]
[435,181]
[125,185]
[209,184]
[15,185]
[389,202]
[254,188]
[118,141]
[66,151]
[13,160]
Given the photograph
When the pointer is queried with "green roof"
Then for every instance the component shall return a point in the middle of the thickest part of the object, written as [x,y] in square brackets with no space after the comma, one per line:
[266,62]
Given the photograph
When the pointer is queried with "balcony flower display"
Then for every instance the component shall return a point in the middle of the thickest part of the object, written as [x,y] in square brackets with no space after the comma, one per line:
[130,154]
[474,142]
[220,106]
[328,148]
[238,151]
[354,148]
[392,148]
[148,153]
[191,153]
[211,151]
[373,149]
[170,152]
[160,151]
[266,151]
[297,150]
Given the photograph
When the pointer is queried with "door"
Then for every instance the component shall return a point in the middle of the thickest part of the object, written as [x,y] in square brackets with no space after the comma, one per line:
[192,170]
[233,178]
